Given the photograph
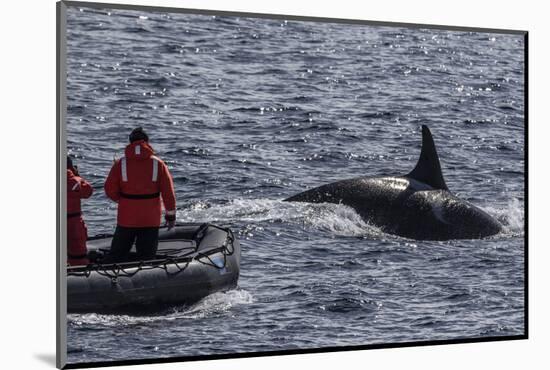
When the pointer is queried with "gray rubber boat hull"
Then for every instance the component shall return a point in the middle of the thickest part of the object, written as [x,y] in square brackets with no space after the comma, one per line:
[192,262]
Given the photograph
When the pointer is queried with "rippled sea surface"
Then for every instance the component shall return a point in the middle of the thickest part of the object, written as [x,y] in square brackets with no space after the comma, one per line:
[247,112]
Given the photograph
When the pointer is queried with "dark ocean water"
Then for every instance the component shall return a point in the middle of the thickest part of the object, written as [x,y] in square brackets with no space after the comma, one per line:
[247,112]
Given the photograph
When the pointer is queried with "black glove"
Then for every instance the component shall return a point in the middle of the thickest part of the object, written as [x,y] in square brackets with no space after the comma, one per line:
[170,220]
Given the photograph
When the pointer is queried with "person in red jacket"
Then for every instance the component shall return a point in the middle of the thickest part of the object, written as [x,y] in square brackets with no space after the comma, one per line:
[77,233]
[137,182]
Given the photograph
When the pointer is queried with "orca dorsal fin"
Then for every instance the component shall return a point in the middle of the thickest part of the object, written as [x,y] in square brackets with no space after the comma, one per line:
[428,169]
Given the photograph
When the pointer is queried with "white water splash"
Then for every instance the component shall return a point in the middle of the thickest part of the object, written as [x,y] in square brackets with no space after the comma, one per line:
[515,215]
[247,210]
[334,218]
[511,216]
[337,219]
[214,304]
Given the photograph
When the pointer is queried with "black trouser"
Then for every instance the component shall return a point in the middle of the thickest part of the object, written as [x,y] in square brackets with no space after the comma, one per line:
[146,239]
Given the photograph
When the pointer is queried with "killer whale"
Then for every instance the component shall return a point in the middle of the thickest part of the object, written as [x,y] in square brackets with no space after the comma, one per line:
[417,205]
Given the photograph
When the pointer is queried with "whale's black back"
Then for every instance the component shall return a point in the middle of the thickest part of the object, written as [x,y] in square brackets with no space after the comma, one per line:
[418,205]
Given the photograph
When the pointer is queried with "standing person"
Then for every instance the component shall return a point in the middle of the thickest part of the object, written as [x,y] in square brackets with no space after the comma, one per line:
[77,233]
[136,182]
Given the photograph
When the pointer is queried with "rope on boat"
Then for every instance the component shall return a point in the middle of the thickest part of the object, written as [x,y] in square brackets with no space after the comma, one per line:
[115,271]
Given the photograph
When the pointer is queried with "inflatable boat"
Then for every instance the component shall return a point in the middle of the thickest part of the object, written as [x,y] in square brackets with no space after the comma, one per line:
[192,261]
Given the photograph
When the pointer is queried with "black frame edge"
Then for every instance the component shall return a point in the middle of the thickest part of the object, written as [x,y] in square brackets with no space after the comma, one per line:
[526,182]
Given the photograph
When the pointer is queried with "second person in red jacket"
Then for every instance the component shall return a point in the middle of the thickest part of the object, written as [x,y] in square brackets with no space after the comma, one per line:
[137,182]
[77,232]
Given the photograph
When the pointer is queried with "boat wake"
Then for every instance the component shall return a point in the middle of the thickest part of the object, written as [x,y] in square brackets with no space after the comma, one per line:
[213,305]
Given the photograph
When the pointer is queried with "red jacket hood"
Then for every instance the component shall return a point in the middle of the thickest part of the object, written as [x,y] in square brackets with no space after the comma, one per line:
[70,174]
[139,150]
